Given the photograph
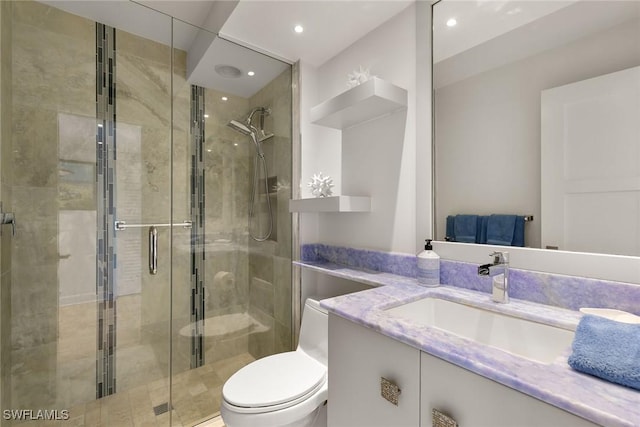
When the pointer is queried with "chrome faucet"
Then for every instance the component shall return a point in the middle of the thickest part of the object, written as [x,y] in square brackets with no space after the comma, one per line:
[499,271]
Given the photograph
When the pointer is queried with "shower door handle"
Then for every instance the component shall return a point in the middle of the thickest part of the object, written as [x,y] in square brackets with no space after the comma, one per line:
[153,250]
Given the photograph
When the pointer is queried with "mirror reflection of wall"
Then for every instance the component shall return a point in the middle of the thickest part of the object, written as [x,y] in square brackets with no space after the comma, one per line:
[490,71]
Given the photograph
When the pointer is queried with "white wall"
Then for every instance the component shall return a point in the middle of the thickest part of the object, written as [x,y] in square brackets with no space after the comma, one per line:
[377,158]
[320,150]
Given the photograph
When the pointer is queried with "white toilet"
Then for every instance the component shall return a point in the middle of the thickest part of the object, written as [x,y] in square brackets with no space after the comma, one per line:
[287,389]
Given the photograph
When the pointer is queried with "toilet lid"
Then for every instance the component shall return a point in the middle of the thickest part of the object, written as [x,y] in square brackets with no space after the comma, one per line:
[274,380]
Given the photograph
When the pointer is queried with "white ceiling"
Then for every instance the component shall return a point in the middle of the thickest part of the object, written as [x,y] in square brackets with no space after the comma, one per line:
[329,26]
[267,25]
[264,25]
[201,69]
[481,20]
[194,12]
[536,34]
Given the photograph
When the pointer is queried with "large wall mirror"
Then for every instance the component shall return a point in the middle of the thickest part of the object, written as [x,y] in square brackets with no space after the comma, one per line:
[537,115]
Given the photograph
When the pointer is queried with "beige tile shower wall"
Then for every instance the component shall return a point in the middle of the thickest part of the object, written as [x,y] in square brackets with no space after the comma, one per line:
[270,261]
[227,186]
[53,72]
[227,169]
[6,177]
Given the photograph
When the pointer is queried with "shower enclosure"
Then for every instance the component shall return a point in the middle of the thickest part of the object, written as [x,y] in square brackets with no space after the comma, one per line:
[152,250]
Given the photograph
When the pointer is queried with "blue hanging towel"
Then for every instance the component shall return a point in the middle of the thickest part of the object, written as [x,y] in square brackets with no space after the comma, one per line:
[607,349]
[482,232]
[500,229]
[451,234]
[466,228]
[518,233]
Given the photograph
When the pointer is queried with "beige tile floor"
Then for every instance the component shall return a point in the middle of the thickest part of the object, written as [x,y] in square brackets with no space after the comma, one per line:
[214,422]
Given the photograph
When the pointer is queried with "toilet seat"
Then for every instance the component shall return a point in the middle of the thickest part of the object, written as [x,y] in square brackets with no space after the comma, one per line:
[274,382]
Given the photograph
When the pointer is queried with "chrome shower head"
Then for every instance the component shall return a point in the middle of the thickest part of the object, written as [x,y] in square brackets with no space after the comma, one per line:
[240,127]
[249,131]
[247,128]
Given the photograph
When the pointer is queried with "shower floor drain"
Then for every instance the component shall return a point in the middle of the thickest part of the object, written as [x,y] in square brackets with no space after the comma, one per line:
[161,409]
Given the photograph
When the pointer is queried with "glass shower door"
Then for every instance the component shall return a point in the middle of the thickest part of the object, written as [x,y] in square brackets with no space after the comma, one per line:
[133,271]
[231,271]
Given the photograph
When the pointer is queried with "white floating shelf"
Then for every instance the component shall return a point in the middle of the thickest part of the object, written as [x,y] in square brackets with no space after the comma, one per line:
[331,204]
[369,100]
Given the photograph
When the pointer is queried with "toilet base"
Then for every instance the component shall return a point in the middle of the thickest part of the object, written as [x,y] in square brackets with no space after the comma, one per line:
[320,417]
[316,418]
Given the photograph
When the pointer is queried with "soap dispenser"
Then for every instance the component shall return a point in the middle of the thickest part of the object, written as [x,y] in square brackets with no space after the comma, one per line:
[428,266]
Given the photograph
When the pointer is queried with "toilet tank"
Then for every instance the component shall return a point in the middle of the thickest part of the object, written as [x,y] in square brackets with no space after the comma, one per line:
[314,331]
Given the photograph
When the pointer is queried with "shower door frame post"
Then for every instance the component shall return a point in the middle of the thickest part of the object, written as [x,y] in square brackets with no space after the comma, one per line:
[296,175]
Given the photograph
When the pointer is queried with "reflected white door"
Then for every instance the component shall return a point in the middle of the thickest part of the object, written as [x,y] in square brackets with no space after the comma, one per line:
[591,165]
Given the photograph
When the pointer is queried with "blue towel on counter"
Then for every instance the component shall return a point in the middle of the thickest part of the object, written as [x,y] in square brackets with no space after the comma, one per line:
[466,228]
[607,349]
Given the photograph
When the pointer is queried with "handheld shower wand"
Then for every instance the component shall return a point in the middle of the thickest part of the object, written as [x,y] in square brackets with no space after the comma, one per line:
[258,137]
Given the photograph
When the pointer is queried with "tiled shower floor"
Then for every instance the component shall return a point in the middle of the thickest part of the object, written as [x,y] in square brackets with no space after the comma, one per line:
[142,381]
[196,395]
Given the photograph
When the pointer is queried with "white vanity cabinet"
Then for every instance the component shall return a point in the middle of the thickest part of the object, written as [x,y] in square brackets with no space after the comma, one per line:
[475,401]
[358,359]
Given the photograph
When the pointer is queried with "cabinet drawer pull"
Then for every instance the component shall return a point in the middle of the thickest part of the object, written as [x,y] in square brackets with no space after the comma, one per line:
[438,419]
[389,390]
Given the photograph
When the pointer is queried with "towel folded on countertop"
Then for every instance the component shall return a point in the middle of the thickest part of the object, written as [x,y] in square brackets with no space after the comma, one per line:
[465,228]
[607,349]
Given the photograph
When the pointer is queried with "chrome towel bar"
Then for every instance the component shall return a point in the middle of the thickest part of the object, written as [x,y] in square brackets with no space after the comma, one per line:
[122,225]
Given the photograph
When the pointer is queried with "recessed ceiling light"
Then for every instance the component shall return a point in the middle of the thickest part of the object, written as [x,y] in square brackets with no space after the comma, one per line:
[298,29]
[452,22]
[235,144]
[224,98]
[206,116]
[251,73]
[208,150]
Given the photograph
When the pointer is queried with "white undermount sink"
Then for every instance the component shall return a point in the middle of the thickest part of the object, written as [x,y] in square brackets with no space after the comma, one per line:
[535,341]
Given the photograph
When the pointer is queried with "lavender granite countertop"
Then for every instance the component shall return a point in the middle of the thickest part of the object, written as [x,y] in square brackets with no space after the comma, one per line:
[556,383]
